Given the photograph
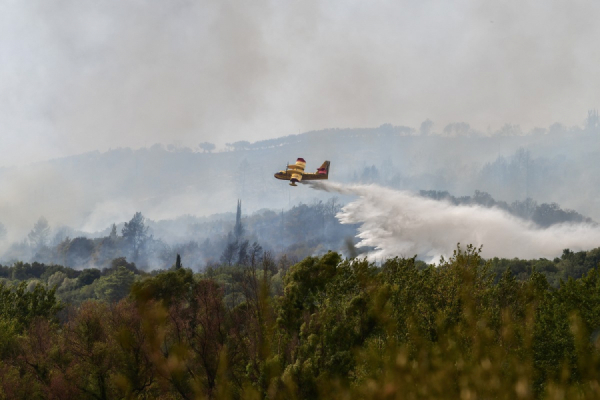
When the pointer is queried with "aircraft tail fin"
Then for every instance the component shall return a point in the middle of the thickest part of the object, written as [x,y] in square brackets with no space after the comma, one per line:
[324,169]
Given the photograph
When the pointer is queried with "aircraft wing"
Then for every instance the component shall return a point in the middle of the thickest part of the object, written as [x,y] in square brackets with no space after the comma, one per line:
[322,173]
[297,171]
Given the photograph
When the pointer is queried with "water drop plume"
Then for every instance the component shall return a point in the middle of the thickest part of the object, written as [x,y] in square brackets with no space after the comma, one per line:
[400,223]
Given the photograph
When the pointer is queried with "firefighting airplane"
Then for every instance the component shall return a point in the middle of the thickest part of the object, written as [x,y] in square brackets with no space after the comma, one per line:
[295,172]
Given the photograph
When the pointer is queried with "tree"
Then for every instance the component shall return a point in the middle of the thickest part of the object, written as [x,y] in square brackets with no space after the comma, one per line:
[22,306]
[88,276]
[39,235]
[509,130]
[135,233]
[114,287]
[92,357]
[207,146]
[166,287]
[457,129]
[120,262]
[79,253]
[240,145]
[238,229]
[231,249]
[113,232]
[109,247]
[242,258]
[426,127]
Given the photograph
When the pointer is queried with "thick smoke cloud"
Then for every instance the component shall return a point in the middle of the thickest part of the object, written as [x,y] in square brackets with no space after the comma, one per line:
[398,223]
[79,75]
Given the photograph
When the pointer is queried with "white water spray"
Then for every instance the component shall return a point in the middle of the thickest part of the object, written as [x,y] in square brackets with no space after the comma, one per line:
[399,223]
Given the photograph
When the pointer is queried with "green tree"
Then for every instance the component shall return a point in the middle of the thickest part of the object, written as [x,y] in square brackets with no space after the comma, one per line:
[114,287]
[196,332]
[165,287]
[90,356]
[22,306]
[303,286]
[88,276]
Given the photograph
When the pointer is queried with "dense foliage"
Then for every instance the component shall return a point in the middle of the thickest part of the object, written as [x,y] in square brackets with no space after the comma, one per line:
[325,327]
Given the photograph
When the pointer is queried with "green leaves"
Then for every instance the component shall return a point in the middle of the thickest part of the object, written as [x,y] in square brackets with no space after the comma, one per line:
[112,288]
[22,306]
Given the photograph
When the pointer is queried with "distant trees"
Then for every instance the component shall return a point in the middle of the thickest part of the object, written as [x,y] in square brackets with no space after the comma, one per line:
[240,145]
[60,235]
[113,232]
[115,286]
[136,243]
[549,214]
[207,146]
[135,234]
[109,247]
[524,209]
[79,252]
[369,175]
[238,229]
[543,214]
[229,252]
[238,252]
[22,271]
[39,234]
[426,127]
[517,177]
[88,276]
[509,130]
[557,129]
[592,122]
[238,249]
[457,129]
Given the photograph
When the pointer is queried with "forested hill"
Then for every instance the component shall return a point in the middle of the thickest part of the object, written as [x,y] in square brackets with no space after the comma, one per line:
[543,215]
[301,231]
[93,190]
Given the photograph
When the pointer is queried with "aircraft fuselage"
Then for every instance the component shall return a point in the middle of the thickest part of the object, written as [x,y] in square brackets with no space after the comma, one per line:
[295,173]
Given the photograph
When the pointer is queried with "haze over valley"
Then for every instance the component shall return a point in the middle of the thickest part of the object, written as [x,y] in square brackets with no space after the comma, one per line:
[86,194]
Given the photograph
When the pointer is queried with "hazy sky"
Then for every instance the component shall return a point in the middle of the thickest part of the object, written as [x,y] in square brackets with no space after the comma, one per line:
[80,75]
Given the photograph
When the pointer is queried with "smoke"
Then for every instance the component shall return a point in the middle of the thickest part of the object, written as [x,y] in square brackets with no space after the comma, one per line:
[399,223]
[80,75]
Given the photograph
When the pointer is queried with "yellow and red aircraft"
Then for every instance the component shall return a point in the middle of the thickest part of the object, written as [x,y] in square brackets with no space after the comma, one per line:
[295,172]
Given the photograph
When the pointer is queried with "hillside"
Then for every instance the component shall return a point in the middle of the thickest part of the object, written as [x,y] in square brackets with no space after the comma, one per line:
[91,191]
